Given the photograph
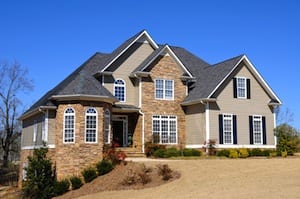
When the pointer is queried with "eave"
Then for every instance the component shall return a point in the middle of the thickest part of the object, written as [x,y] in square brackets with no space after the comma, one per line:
[199,101]
[84,98]
[36,111]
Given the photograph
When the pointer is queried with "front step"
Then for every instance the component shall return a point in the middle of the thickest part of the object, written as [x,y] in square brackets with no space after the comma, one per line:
[131,152]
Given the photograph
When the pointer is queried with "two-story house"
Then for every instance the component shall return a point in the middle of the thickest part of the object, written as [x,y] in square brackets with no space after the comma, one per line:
[144,91]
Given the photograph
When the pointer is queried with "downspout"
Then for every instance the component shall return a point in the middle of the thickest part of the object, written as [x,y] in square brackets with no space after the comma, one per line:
[275,125]
[140,112]
[207,128]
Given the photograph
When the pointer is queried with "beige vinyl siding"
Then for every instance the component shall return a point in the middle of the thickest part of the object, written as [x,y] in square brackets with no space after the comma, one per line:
[28,130]
[125,69]
[242,108]
[51,127]
[195,124]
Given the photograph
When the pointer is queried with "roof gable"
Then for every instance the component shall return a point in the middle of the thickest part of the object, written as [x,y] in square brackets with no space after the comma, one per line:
[125,46]
[162,50]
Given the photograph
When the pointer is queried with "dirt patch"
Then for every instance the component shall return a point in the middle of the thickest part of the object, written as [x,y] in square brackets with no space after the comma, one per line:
[120,178]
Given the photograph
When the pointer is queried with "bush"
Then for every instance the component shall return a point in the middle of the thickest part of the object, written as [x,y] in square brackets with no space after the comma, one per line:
[130,178]
[243,153]
[165,171]
[104,167]
[171,152]
[76,182]
[89,174]
[40,176]
[284,154]
[223,153]
[114,156]
[61,187]
[288,139]
[191,152]
[159,153]
[150,148]
[144,177]
[233,153]
[257,152]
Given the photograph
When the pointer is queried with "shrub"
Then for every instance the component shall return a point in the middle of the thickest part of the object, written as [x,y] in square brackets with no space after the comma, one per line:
[171,152]
[288,139]
[159,153]
[223,153]
[243,153]
[130,178]
[284,154]
[233,153]
[104,167]
[89,174]
[191,152]
[144,177]
[211,146]
[114,156]
[61,187]
[150,148]
[257,152]
[40,177]
[76,182]
[165,171]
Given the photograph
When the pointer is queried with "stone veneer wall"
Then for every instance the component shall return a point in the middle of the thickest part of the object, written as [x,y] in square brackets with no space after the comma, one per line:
[164,68]
[72,158]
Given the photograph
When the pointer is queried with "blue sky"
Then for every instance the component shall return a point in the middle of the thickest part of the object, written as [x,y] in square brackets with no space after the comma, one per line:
[53,37]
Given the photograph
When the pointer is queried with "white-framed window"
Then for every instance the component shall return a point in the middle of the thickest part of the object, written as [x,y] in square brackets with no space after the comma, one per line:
[35,129]
[164,89]
[107,126]
[227,129]
[120,90]
[91,125]
[164,129]
[241,86]
[24,172]
[69,125]
[257,129]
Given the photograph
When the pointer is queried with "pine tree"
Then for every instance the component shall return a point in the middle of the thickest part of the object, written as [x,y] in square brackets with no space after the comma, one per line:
[40,176]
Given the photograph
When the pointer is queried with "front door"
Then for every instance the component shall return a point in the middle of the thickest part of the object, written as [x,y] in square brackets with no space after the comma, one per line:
[120,137]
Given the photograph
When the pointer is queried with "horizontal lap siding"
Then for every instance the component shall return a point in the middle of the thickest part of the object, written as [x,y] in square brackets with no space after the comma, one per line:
[242,108]
[195,124]
[126,68]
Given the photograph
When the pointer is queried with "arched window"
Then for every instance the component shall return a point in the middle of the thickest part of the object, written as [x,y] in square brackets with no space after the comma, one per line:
[120,90]
[107,126]
[69,125]
[91,125]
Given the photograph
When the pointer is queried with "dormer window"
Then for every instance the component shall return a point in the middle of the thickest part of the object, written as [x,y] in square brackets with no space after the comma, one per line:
[119,90]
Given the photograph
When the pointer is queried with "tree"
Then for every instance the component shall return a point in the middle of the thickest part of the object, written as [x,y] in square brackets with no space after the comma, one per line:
[40,175]
[13,81]
[287,139]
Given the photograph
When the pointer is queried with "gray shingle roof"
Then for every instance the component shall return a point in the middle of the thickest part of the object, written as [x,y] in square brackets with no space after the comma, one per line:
[210,77]
[81,81]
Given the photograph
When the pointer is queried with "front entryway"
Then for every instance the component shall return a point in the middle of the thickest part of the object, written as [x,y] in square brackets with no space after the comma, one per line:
[120,130]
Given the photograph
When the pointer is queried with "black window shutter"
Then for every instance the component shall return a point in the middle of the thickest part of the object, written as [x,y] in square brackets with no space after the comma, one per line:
[220,129]
[234,130]
[251,129]
[234,88]
[264,130]
[248,89]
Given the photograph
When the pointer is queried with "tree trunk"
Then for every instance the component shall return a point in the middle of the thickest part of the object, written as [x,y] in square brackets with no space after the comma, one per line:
[5,156]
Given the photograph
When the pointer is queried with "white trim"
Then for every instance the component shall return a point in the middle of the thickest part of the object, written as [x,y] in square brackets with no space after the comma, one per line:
[120,85]
[92,114]
[231,126]
[171,53]
[250,146]
[107,116]
[234,146]
[237,87]
[50,146]
[253,69]
[129,45]
[35,128]
[164,89]
[259,119]
[143,131]
[275,125]
[74,126]
[140,92]
[46,125]
[207,123]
